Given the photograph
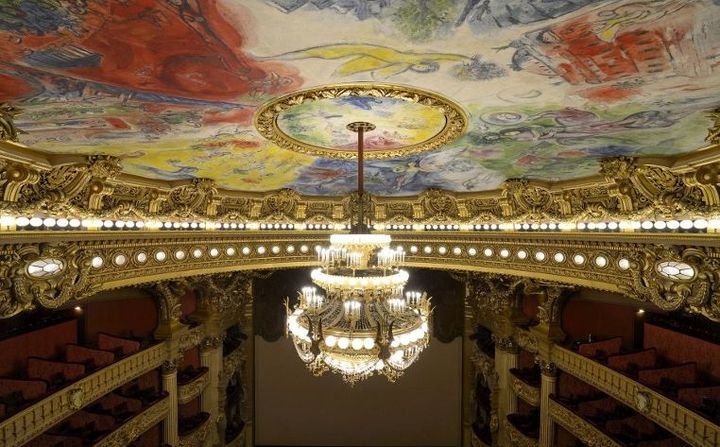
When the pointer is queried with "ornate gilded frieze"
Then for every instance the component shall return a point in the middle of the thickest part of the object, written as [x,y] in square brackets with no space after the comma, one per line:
[669,271]
[191,390]
[518,438]
[198,436]
[524,391]
[586,432]
[136,426]
[34,420]
[684,423]
[677,187]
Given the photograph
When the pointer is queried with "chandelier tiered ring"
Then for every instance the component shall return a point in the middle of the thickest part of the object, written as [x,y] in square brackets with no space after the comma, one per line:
[360,321]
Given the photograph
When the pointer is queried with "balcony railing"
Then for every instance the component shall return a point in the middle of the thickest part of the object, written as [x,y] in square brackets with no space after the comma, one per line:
[197,436]
[579,427]
[137,425]
[518,438]
[34,420]
[192,389]
[684,423]
[525,391]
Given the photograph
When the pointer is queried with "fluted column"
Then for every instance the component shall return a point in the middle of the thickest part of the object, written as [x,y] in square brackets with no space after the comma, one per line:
[170,386]
[548,377]
[506,357]
[211,358]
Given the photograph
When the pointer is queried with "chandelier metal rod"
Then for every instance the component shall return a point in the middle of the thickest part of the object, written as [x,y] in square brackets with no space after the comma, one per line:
[361,177]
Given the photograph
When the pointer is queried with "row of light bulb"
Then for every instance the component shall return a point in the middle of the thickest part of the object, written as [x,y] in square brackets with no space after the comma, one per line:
[360,282]
[22,222]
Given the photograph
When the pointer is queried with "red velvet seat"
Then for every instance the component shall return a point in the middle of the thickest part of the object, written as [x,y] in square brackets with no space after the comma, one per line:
[48,370]
[608,347]
[642,425]
[81,354]
[102,422]
[112,401]
[569,385]
[47,440]
[692,397]
[680,375]
[30,389]
[109,342]
[642,359]
[597,407]
[669,442]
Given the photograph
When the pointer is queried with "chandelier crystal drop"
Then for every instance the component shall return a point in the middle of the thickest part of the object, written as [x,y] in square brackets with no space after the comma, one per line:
[359,321]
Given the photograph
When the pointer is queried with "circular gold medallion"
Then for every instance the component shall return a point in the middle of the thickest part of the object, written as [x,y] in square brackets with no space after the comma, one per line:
[407,120]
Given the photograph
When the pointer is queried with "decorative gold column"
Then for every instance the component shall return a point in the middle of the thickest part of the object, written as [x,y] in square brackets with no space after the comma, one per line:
[170,386]
[506,357]
[211,358]
[548,378]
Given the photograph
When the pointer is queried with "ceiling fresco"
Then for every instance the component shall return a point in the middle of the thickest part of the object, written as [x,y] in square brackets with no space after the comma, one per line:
[550,87]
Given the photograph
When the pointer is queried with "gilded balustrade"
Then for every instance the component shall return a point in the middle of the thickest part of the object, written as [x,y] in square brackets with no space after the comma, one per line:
[518,438]
[525,391]
[196,437]
[683,422]
[191,390]
[586,432]
[34,420]
[136,426]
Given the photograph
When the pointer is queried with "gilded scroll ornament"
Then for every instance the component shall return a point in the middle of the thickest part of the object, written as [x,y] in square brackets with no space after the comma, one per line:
[713,136]
[700,291]
[8,131]
[21,288]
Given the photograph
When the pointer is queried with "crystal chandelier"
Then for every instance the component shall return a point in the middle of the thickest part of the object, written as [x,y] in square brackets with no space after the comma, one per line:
[360,322]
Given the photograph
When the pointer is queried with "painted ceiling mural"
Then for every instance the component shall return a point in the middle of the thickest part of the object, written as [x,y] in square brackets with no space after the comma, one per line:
[550,86]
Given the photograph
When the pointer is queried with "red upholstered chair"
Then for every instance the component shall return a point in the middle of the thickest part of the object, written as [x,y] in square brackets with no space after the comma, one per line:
[83,418]
[109,342]
[597,407]
[608,347]
[47,440]
[49,370]
[680,375]
[642,360]
[642,425]
[81,354]
[112,401]
[692,397]
[30,389]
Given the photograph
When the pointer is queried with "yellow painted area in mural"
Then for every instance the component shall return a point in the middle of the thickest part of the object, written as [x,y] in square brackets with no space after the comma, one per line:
[382,62]
[263,167]
[398,123]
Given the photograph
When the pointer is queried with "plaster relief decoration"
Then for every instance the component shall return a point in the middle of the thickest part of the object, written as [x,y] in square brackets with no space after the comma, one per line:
[549,88]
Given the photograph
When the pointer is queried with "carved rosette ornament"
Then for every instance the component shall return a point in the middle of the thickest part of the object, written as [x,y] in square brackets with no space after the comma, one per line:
[440,205]
[547,367]
[506,344]
[199,198]
[526,199]
[170,366]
